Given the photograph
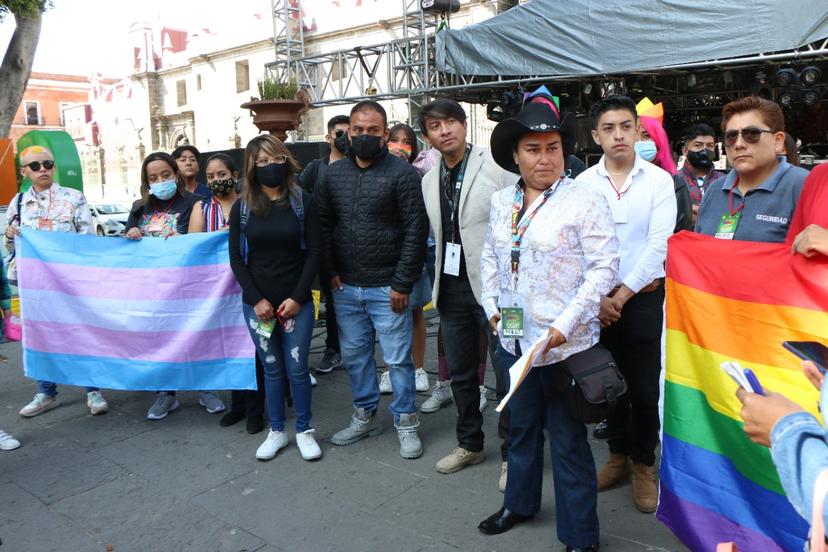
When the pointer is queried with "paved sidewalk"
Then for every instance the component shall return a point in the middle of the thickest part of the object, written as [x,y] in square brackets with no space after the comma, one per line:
[81,483]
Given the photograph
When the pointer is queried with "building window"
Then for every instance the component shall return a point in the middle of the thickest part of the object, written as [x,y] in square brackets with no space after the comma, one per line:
[32,113]
[198,83]
[181,92]
[242,76]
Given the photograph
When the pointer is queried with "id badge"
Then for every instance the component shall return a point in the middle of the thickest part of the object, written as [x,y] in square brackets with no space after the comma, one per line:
[155,228]
[727,226]
[619,210]
[452,264]
[512,317]
[44,224]
[265,329]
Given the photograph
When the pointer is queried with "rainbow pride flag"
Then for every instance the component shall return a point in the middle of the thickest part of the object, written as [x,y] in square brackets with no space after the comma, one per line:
[119,314]
[729,300]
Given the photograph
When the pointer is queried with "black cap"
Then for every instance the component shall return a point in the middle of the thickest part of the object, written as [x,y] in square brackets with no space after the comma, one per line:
[534,117]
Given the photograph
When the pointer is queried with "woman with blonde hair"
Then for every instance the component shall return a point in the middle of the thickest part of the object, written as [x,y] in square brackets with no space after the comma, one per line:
[274,253]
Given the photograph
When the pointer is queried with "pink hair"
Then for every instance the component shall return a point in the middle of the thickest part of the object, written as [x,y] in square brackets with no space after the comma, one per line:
[663,158]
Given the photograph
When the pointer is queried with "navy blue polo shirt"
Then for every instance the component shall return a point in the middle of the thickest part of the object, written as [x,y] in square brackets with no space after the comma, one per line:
[768,209]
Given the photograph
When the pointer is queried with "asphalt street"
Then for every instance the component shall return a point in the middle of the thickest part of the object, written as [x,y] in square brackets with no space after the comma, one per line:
[123,483]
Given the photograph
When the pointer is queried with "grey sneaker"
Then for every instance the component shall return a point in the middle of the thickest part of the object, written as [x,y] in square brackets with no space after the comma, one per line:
[163,405]
[440,396]
[330,361]
[410,445]
[362,425]
[211,402]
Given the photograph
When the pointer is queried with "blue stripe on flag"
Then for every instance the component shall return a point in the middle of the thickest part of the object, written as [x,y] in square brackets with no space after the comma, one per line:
[203,248]
[114,373]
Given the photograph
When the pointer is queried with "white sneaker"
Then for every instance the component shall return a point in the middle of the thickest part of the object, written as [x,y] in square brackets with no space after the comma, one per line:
[484,402]
[96,403]
[7,442]
[385,384]
[276,440]
[40,404]
[313,380]
[421,380]
[308,447]
[440,396]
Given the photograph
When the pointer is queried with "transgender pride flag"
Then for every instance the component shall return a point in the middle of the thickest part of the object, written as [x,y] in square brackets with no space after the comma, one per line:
[733,300]
[119,314]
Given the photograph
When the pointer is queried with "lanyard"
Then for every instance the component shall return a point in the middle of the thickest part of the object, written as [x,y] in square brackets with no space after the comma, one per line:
[617,193]
[519,227]
[730,200]
[454,201]
[49,212]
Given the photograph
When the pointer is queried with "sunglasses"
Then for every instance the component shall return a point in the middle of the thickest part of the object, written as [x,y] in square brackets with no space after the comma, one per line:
[750,134]
[339,133]
[35,165]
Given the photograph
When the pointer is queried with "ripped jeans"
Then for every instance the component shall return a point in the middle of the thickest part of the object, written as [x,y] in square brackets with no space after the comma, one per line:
[285,353]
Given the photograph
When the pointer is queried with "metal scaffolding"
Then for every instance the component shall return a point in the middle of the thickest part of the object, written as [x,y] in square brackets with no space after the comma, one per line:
[405,67]
[288,39]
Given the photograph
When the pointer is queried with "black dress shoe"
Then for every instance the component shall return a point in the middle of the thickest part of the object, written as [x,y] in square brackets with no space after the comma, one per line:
[231,418]
[501,521]
[593,548]
[255,425]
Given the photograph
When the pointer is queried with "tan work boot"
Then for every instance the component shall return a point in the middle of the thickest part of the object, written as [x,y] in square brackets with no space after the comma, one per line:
[458,459]
[614,471]
[645,490]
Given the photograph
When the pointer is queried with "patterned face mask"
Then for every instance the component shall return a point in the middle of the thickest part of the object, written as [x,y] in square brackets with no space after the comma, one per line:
[221,188]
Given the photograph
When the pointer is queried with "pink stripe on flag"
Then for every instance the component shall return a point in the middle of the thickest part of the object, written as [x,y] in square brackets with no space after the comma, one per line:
[156,284]
[180,346]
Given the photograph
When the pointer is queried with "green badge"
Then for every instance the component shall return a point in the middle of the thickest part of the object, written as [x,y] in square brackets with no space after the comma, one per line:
[265,329]
[512,322]
[727,226]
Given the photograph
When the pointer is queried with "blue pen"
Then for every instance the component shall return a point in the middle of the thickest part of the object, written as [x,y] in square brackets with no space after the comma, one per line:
[754,382]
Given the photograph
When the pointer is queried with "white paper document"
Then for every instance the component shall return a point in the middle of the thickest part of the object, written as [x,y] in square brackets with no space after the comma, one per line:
[521,368]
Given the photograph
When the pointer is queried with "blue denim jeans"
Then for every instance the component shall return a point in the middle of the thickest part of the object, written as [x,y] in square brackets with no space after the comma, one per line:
[533,407]
[359,312]
[49,388]
[285,353]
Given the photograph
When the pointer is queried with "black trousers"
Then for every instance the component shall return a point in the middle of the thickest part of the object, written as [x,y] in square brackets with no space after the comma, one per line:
[251,403]
[461,320]
[635,343]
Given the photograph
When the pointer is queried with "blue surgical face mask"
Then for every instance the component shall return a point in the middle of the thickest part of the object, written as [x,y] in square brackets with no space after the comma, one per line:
[646,149]
[164,190]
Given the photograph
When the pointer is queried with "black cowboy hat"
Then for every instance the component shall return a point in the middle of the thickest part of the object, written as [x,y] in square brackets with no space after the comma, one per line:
[534,117]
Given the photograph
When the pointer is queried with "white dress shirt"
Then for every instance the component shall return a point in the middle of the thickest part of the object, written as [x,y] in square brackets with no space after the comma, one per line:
[568,262]
[644,216]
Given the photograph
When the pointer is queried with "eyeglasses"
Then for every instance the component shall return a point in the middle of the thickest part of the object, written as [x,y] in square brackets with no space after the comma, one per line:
[278,159]
[35,165]
[750,134]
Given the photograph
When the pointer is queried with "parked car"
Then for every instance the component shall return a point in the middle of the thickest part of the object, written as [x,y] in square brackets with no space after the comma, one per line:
[109,219]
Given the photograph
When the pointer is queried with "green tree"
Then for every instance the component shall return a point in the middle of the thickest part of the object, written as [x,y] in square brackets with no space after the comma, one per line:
[17,63]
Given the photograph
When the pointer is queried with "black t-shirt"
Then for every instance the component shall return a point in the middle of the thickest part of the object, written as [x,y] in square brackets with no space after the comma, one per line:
[277,268]
[450,283]
[163,218]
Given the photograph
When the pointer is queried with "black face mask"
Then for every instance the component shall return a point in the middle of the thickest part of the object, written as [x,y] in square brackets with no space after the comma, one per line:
[273,175]
[701,159]
[367,147]
[341,143]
